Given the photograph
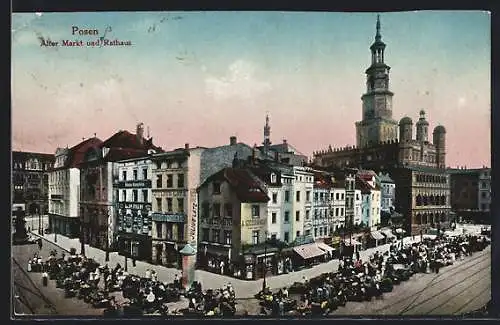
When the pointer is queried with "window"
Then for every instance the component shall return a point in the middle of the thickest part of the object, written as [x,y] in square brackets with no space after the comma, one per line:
[342,196]
[337,196]
[216,210]
[483,195]
[169,204]
[315,197]
[287,216]
[307,214]
[297,215]
[180,180]
[255,237]
[308,196]
[159,233]
[205,210]
[180,205]
[315,232]
[286,237]
[297,233]
[135,195]
[215,235]
[273,178]
[273,217]
[228,207]
[297,196]
[124,195]
[275,197]
[170,180]
[145,173]
[144,195]
[255,211]
[216,188]
[204,234]
[336,212]
[135,174]
[159,181]
[227,237]
[273,236]
[124,175]
[287,196]
[341,212]
[321,231]
[158,204]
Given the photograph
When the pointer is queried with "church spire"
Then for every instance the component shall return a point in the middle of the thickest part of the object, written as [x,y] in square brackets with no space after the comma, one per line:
[267,134]
[378,37]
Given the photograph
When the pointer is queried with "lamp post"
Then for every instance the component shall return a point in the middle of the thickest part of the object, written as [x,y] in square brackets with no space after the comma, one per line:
[125,254]
[39,223]
[264,264]
[82,237]
[55,233]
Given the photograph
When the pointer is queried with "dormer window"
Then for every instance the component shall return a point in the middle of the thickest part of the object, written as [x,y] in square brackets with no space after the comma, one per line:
[273,178]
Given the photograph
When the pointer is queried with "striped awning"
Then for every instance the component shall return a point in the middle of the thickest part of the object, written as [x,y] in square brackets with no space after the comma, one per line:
[388,233]
[309,251]
[377,235]
[325,247]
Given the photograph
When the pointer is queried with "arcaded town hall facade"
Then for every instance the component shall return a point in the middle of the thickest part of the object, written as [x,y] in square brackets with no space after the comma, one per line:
[382,144]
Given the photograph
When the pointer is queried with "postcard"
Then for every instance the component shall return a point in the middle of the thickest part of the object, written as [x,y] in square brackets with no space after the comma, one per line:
[251,164]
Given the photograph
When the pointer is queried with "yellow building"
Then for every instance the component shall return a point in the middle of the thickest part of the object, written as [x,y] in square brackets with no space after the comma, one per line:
[233,219]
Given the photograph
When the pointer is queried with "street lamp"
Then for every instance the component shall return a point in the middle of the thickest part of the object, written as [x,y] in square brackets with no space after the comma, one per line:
[264,264]
[55,233]
[39,222]
[82,237]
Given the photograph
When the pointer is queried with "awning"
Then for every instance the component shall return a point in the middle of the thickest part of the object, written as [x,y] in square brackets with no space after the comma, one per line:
[325,247]
[388,233]
[353,241]
[377,235]
[308,251]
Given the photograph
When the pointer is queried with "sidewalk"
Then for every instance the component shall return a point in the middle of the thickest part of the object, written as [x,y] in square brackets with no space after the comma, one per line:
[243,289]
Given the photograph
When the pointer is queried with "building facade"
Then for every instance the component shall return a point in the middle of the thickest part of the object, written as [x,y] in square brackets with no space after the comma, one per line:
[176,177]
[388,192]
[322,218]
[233,219]
[133,207]
[98,173]
[302,201]
[30,181]
[423,196]
[471,193]
[64,188]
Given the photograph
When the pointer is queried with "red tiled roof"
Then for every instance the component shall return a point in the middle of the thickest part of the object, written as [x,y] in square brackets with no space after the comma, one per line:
[363,186]
[77,152]
[247,189]
[116,154]
[125,139]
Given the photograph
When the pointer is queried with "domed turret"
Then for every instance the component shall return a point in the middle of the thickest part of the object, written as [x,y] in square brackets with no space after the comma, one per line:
[422,128]
[439,141]
[405,129]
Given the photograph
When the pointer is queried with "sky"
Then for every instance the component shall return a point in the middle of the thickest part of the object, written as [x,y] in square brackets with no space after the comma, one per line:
[201,77]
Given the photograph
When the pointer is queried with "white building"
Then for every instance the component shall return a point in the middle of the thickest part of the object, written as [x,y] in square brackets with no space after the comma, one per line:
[64,186]
[133,207]
[357,207]
[302,201]
[321,219]
[338,196]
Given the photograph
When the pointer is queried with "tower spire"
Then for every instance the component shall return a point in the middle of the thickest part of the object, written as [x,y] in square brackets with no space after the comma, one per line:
[378,37]
[267,134]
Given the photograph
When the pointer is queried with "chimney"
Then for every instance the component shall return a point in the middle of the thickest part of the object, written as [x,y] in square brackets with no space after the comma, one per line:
[140,132]
[186,146]
[232,140]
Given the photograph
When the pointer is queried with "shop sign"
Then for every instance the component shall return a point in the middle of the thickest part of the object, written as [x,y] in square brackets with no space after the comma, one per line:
[254,222]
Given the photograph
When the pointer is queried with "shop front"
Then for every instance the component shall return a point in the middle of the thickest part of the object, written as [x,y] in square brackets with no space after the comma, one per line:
[259,260]
[215,258]
[134,230]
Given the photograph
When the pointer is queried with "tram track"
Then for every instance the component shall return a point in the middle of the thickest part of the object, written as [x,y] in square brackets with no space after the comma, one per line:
[35,292]
[443,291]
[414,296]
[467,303]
